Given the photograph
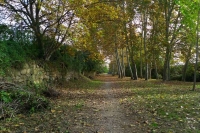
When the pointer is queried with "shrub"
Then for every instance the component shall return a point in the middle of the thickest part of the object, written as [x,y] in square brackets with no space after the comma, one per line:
[102,69]
[70,58]
[176,72]
[14,100]
[11,55]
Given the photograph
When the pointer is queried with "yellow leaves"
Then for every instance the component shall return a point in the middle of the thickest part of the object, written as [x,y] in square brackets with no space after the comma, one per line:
[71,51]
[98,12]
[2,1]
[95,56]
[39,4]
[53,111]
[16,125]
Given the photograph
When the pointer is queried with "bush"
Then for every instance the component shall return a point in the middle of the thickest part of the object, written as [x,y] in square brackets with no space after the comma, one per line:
[14,100]
[102,69]
[11,55]
[190,74]
[78,61]
[176,72]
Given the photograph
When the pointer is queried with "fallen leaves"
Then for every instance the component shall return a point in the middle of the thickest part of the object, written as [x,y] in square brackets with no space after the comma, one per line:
[53,111]
[166,105]
[150,106]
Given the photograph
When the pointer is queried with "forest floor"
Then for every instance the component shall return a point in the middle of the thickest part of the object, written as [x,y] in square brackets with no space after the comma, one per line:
[112,105]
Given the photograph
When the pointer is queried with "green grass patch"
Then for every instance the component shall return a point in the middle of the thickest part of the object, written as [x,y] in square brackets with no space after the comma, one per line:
[79,105]
[84,84]
[166,104]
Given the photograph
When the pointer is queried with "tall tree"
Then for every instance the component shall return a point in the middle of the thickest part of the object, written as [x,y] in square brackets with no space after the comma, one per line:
[197,46]
[129,33]
[47,19]
[144,29]
[172,18]
[191,14]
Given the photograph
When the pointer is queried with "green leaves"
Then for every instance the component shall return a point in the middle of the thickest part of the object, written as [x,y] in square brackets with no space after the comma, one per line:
[189,10]
[5,96]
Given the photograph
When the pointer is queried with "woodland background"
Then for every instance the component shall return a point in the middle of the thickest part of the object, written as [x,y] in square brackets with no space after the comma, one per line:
[149,38]
[142,39]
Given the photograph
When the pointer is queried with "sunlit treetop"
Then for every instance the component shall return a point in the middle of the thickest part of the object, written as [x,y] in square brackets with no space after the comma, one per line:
[189,10]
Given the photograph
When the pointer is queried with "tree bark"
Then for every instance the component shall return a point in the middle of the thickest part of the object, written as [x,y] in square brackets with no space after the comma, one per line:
[135,75]
[141,64]
[186,63]
[128,51]
[197,51]
[131,58]
[113,69]
[129,65]
[145,45]
[156,69]
[122,63]
[118,64]
[150,67]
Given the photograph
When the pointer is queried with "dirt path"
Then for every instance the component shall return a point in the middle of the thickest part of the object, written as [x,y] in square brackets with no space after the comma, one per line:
[110,116]
[113,106]
[104,112]
[82,109]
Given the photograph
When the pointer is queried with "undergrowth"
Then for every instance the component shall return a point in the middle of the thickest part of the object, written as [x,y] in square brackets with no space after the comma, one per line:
[15,100]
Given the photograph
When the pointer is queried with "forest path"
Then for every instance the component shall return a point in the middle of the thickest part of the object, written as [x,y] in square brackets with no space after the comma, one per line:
[100,106]
[112,105]
[112,117]
[105,113]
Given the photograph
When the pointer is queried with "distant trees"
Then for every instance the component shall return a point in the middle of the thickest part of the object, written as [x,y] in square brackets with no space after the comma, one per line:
[156,31]
[144,36]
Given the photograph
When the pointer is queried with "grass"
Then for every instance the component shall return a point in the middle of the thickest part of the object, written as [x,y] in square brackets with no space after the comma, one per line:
[165,107]
[79,105]
[62,111]
[168,107]
[84,84]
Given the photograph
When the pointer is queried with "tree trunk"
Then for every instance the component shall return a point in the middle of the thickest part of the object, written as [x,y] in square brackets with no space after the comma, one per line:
[118,64]
[169,6]
[197,51]
[129,65]
[144,41]
[166,65]
[122,63]
[135,70]
[141,66]
[135,75]
[130,50]
[184,70]
[156,69]
[113,71]
[150,66]
[186,63]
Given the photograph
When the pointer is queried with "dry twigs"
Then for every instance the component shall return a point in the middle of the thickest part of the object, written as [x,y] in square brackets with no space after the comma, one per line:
[14,100]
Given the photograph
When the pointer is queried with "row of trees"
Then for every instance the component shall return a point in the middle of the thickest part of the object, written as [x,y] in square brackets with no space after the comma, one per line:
[156,34]
[142,35]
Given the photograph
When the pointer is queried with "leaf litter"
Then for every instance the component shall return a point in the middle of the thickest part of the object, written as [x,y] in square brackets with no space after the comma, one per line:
[117,106]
